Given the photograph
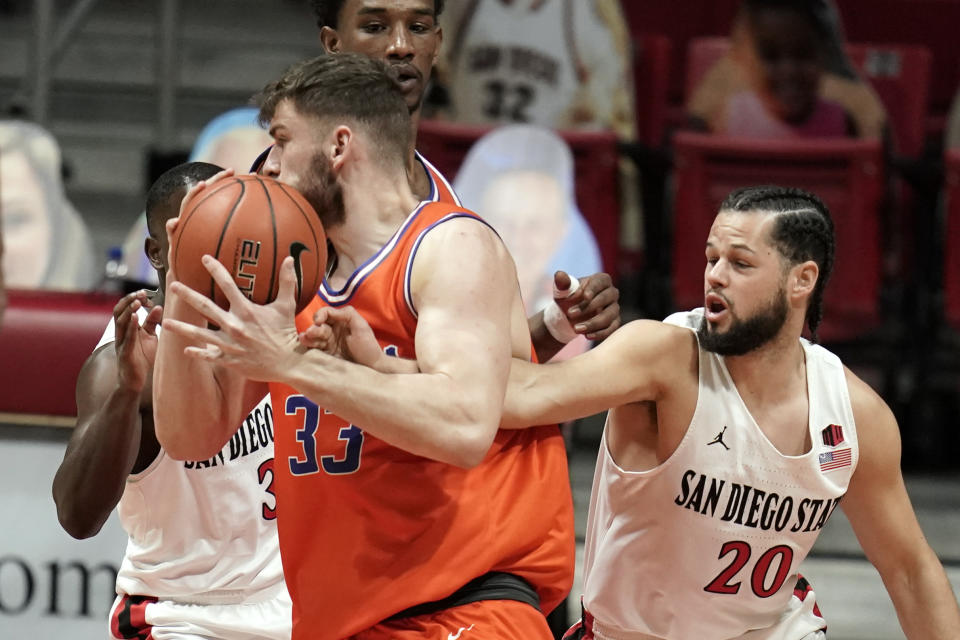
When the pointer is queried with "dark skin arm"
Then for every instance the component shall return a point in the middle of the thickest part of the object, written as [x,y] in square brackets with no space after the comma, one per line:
[593,309]
[114,433]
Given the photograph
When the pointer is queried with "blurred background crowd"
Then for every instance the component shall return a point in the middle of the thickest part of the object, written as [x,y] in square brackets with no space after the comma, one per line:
[593,134]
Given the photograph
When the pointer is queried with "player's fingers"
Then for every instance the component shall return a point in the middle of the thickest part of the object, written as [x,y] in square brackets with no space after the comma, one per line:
[124,303]
[561,280]
[320,315]
[225,281]
[602,300]
[192,333]
[199,302]
[154,317]
[287,289]
[342,316]
[316,337]
[601,325]
[209,352]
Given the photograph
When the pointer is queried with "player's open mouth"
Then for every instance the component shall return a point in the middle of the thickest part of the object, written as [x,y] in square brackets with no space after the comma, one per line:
[714,307]
[407,76]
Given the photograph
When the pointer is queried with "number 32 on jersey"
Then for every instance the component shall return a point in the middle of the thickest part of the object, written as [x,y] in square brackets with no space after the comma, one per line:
[343,462]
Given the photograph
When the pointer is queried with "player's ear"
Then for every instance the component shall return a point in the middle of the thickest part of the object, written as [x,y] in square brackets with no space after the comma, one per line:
[342,141]
[154,252]
[436,52]
[330,39]
[805,276]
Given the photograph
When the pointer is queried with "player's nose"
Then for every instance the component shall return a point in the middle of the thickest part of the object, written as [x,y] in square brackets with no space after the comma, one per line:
[401,44]
[271,166]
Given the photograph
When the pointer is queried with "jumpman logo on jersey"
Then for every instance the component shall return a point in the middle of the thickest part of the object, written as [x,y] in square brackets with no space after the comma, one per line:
[719,439]
[451,636]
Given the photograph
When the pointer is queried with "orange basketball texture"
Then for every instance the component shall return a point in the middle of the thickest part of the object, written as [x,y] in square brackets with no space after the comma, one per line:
[250,223]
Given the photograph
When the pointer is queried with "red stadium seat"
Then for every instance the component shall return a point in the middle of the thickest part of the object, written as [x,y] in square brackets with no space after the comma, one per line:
[931,23]
[445,144]
[679,22]
[900,74]
[652,56]
[951,276]
[846,174]
[44,340]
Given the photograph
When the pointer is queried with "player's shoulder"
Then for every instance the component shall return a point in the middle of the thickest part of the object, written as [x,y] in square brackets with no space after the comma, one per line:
[867,405]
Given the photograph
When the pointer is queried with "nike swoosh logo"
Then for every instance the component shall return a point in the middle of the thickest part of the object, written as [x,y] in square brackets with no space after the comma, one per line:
[451,636]
[296,248]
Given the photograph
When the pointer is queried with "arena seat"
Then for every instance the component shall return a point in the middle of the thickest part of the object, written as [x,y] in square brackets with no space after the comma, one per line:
[45,338]
[652,56]
[847,174]
[679,22]
[930,23]
[900,74]
[951,274]
[445,144]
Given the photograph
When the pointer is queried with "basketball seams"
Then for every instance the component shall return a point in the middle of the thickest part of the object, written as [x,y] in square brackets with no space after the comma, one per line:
[295,197]
[273,229]
[237,217]
[224,228]
[188,218]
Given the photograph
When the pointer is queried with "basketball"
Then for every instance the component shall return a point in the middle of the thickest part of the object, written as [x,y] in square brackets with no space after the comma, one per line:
[250,223]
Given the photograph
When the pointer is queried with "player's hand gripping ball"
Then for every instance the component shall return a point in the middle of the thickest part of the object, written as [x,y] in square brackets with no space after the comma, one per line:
[250,223]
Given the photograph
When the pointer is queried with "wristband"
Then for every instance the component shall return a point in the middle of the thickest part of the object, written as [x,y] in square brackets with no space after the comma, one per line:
[555,319]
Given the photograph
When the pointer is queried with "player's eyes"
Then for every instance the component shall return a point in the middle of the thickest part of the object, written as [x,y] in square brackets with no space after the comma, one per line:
[419,27]
[372,27]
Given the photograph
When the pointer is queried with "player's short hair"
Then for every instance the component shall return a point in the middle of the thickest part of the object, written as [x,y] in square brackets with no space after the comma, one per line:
[803,230]
[328,11]
[182,176]
[346,86]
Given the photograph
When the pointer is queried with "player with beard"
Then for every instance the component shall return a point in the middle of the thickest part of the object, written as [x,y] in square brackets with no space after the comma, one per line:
[729,442]
[405,35]
[403,510]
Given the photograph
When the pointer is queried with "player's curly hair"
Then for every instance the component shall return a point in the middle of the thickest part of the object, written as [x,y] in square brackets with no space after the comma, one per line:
[802,231]
[328,11]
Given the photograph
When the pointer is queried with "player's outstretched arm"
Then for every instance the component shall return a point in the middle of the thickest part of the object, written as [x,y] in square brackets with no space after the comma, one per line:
[450,410]
[883,519]
[592,310]
[111,438]
[638,363]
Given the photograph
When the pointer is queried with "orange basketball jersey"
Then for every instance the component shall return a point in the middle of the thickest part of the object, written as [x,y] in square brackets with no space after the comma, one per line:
[368,530]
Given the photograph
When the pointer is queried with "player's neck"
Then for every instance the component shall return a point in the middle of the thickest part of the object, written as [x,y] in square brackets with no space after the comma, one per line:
[772,372]
[376,204]
[416,172]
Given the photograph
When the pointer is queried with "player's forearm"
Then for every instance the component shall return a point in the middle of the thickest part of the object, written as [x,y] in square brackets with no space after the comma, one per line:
[426,414]
[536,395]
[193,416]
[100,456]
[924,600]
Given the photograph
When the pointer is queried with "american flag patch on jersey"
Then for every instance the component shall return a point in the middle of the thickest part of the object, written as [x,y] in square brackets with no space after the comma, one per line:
[831,460]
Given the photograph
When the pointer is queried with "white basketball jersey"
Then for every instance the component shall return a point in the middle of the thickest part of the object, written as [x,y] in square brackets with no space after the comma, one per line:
[707,545]
[205,532]
[522,61]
